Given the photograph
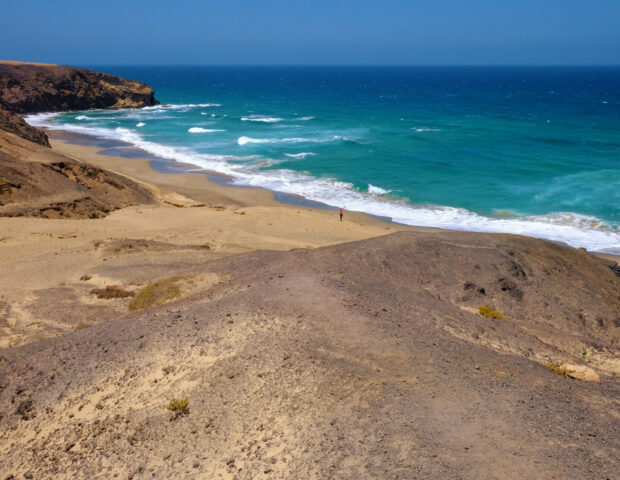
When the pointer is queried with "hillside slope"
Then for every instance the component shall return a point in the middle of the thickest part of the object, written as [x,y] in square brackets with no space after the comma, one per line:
[361,360]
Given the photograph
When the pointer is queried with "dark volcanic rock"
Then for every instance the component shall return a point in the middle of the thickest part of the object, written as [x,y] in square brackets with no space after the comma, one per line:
[49,185]
[30,88]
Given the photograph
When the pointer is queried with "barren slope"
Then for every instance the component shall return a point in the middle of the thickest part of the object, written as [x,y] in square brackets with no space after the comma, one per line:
[363,360]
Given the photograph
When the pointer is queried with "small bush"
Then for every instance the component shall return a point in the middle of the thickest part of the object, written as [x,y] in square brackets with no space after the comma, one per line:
[156,293]
[558,369]
[111,291]
[179,407]
[83,325]
[488,312]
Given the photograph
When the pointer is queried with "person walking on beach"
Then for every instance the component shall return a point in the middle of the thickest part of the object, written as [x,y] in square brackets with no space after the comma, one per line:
[341,213]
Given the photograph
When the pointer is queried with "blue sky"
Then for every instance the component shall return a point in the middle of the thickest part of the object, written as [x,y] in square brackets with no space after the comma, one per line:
[312,32]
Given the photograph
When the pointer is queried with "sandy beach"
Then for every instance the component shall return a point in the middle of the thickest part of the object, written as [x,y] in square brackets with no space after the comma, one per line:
[189,210]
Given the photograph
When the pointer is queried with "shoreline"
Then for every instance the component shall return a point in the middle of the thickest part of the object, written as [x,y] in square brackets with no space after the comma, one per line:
[104,147]
[561,230]
[191,219]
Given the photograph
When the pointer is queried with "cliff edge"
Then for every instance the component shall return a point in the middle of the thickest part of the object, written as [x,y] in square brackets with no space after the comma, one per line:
[35,181]
[33,87]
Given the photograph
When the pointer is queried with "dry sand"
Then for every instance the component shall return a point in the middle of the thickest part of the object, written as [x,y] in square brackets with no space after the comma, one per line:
[189,211]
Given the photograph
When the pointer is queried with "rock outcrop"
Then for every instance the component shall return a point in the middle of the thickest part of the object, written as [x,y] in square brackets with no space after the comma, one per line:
[31,88]
[28,88]
[37,182]
[13,123]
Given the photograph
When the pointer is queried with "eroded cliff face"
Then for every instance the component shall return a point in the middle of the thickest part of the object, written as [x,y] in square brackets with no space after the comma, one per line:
[31,88]
[35,181]
[38,182]
[14,123]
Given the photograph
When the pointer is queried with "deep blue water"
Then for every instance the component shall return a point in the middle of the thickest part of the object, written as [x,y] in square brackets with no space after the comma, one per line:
[533,150]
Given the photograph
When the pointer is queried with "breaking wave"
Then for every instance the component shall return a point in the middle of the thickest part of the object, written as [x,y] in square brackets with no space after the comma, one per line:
[204,130]
[373,190]
[300,155]
[245,140]
[261,118]
[425,129]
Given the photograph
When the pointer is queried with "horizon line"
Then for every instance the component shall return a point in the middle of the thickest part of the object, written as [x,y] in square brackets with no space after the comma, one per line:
[429,65]
[360,64]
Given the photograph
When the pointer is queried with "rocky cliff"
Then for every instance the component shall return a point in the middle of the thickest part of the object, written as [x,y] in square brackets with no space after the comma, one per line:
[31,88]
[35,181]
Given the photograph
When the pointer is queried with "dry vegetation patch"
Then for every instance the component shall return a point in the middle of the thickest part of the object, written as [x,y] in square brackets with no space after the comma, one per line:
[179,407]
[156,293]
[112,291]
[163,291]
[558,369]
[488,312]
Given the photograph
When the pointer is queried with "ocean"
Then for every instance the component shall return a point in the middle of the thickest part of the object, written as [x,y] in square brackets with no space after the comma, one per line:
[526,150]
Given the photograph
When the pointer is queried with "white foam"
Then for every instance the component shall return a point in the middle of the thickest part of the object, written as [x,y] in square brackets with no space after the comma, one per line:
[300,155]
[210,161]
[569,218]
[304,119]
[426,129]
[181,106]
[136,115]
[336,193]
[373,190]
[40,119]
[204,130]
[140,124]
[261,118]
[203,113]
[575,230]
[83,117]
[245,140]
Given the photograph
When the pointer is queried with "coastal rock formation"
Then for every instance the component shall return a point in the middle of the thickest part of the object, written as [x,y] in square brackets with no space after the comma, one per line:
[46,184]
[14,123]
[31,88]
[36,182]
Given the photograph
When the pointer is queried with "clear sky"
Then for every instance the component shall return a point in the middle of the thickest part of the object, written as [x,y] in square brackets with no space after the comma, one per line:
[311,32]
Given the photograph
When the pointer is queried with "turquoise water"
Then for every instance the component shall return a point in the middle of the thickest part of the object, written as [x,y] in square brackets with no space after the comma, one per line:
[525,150]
